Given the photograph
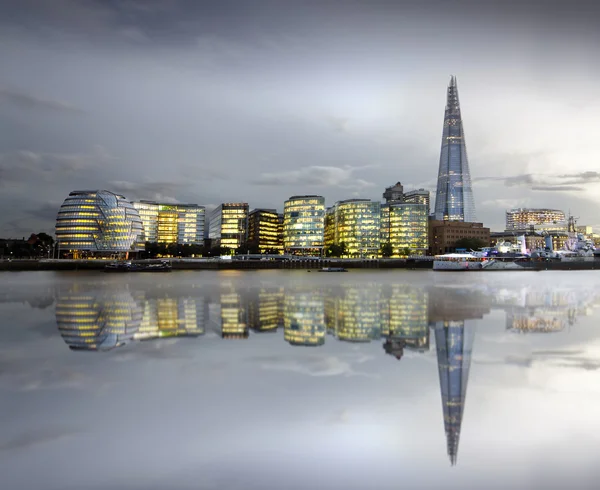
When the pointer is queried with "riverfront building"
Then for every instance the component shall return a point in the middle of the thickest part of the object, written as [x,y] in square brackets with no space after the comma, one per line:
[443,235]
[304,224]
[172,223]
[527,218]
[355,223]
[404,227]
[91,222]
[419,196]
[228,225]
[454,195]
[264,230]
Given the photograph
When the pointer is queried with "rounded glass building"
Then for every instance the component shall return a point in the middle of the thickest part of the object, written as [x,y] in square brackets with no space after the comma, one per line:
[98,221]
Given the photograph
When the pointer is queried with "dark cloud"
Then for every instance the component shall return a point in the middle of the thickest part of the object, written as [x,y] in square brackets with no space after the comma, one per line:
[316,176]
[28,101]
[581,178]
[557,188]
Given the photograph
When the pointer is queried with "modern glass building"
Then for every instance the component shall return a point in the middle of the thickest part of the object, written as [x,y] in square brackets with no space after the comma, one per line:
[264,230]
[405,227]
[454,344]
[419,196]
[454,195]
[356,223]
[172,223]
[304,225]
[98,221]
[525,218]
[228,225]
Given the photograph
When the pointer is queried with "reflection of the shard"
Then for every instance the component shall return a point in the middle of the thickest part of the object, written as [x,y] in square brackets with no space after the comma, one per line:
[304,318]
[92,321]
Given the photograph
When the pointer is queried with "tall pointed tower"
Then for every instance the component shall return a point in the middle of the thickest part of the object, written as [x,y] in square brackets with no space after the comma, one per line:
[454,344]
[454,196]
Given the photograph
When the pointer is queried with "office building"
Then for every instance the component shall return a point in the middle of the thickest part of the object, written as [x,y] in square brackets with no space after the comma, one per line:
[355,223]
[531,218]
[419,196]
[264,231]
[454,196]
[228,225]
[404,226]
[172,223]
[394,193]
[98,222]
[304,225]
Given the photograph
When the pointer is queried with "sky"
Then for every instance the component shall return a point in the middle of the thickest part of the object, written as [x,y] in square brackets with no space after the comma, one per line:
[258,413]
[256,101]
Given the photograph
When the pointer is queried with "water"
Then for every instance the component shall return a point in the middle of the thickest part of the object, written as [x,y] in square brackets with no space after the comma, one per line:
[296,380]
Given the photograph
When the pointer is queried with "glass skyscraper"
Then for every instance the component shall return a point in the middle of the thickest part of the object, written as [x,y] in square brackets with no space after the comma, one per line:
[454,196]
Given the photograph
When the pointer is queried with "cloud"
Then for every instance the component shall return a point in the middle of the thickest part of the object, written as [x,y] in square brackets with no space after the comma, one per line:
[151,191]
[30,166]
[23,100]
[311,366]
[548,182]
[557,188]
[316,176]
[34,438]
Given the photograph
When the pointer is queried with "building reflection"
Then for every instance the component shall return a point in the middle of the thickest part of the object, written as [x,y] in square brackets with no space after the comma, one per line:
[92,320]
[233,316]
[304,318]
[265,309]
[98,321]
[354,314]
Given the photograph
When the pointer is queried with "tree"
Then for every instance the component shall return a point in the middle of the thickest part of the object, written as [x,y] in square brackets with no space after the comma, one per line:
[470,243]
[334,251]
[386,250]
[406,251]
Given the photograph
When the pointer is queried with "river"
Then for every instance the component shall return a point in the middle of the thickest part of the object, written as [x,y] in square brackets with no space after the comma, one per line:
[296,380]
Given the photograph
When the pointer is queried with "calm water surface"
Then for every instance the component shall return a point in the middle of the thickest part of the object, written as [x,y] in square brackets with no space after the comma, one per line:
[295,380]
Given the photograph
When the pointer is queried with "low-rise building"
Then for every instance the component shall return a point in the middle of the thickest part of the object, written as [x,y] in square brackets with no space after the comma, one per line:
[443,235]
[228,225]
[404,227]
[264,231]
[172,223]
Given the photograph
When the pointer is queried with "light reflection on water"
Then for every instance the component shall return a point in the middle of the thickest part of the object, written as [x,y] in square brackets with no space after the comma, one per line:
[528,327]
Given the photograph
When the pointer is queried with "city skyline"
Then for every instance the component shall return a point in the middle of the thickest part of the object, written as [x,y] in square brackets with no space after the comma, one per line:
[209,104]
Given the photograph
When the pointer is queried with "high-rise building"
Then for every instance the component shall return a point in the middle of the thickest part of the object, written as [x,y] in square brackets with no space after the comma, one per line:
[304,224]
[454,196]
[404,226]
[394,193]
[228,225]
[96,222]
[355,223]
[419,196]
[454,344]
[526,218]
[172,223]
[264,230]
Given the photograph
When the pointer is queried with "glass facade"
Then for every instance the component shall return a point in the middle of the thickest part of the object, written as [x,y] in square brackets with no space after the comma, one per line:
[405,227]
[228,225]
[98,221]
[264,230]
[172,223]
[304,225]
[454,196]
[420,196]
[525,218]
[356,223]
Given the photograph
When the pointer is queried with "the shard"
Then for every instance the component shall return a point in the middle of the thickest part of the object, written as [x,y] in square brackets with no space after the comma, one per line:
[454,196]
[454,344]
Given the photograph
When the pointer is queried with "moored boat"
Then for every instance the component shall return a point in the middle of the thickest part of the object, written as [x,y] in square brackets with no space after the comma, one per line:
[129,266]
[333,269]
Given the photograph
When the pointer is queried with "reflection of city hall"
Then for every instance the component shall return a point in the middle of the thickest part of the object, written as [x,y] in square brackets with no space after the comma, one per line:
[401,316]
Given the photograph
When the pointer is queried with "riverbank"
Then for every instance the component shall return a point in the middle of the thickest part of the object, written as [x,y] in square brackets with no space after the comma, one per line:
[218,264]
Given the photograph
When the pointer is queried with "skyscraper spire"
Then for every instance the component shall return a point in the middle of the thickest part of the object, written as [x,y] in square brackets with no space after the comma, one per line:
[454,196]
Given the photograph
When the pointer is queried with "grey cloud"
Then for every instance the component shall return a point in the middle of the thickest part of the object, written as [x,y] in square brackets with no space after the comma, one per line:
[316,176]
[28,101]
[153,191]
[34,438]
[311,366]
[557,188]
[581,177]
